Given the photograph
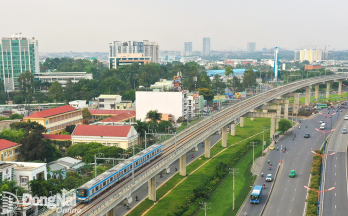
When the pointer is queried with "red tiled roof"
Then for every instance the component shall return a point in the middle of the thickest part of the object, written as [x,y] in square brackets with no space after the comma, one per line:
[57,137]
[52,112]
[118,118]
[101,130]
[110,112]
[4,144]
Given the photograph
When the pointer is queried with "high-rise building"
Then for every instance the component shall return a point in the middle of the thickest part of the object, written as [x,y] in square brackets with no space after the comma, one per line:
[251,47]
[18,54]
[312,55]
[132,51]
[206,46]
[276,64]
[188,48]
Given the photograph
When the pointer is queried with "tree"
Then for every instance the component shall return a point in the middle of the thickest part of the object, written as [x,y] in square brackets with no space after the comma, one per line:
[207,93]
[86,114]
[229,71]
[28,126]
[16,116]
[284,125]
[140,127]
[3,97]
[56,91]
[12,187]
[249,78]
[165,126]
[12,135]
[26,86]
[32,147]
[40,97]
[18,99]
[129,95]
[68,91]
[70,128]
[154,115]
[217,85]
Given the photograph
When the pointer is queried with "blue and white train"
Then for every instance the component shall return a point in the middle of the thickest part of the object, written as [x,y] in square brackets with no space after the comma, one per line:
[96,186]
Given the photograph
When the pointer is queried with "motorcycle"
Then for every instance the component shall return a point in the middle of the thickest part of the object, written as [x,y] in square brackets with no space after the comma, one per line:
[283,150]
[270,167]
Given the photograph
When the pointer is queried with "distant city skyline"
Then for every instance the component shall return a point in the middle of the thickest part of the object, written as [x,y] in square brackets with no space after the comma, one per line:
[82,26]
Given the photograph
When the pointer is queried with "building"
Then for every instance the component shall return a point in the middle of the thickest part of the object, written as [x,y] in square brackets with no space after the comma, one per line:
[9,151]
[124,105]
[18,54]
[163,84]
[188,48]
[206,46]
[57,137]
[63,165]
[6,171]
[55,120]
[129,52]
[172,104]
[24,172]
[109,135]
[97,113]
[312,67]
[5,124]
[78,104]
[276,64]
[62,77]
[108,102]
[123,118]
[128,59]
[251,46]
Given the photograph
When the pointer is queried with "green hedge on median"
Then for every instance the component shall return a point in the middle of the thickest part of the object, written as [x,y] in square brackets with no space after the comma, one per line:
[312,200]
[204,191]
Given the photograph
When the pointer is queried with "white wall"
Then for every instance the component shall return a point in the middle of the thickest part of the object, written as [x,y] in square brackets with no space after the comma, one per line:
[163,102]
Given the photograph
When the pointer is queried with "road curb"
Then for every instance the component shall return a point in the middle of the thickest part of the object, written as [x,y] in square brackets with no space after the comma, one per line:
[306,203]
[270,192]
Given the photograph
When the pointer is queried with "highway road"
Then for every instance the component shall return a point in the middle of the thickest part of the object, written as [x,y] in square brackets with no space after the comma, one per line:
[142,192]
[335,201]
[288,196]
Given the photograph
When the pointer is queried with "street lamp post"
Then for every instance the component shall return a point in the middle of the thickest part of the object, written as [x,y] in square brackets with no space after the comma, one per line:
[325,132]
[319,192]
[253,144]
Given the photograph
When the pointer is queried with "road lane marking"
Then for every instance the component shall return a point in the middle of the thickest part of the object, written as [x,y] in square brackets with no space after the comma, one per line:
[335,206]
[335,194]
[335,165]
[335,174]
[295,189]
[293,199]
[335,183]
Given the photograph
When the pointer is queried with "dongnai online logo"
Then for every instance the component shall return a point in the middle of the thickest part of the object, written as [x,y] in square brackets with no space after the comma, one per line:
[10,202]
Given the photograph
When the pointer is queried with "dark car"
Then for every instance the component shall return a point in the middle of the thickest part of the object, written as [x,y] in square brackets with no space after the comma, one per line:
[306,135]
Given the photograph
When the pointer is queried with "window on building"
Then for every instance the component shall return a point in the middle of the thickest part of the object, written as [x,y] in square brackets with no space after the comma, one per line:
[101,100]
[118,107]
[10,153]
[47,121]
[101,105]
[116,144]
[24,180]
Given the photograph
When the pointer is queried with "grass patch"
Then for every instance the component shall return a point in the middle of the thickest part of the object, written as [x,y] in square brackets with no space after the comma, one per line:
[184,190]
[323,99]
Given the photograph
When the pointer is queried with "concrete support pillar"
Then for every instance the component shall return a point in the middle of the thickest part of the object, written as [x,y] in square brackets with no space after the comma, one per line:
[265,111]
[152,188]
[273,122]
[224,136]
[242,121]
[112,212]
[308,95]
[252,119]
[339,87]
[279,112]
[316,91]
[183,165]
[327,90]
[296,103]
[233,129]
[286,111]
[207,147]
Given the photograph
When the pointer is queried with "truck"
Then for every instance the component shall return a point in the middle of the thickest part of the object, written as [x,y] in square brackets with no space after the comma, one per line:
[256,194]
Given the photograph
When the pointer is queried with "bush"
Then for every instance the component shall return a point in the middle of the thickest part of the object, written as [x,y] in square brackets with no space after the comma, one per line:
[314,184]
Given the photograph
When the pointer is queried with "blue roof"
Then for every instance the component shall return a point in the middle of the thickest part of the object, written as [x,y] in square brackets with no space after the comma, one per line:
[237,72]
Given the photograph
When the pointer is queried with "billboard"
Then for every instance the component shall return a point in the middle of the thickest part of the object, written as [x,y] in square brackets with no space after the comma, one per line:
[240,95]
[229,96]
[177,82]
[219,98]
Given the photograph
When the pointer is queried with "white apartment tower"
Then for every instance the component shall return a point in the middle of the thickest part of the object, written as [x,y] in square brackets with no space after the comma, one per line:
[206,46]
[251,47]
[188,48]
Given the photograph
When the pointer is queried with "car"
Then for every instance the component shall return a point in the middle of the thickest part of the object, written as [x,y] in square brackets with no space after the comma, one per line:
[344,130]
[269,178]
[322,126]
[322,121]
[306,135]
[292,174]
[346,117]
[271,147]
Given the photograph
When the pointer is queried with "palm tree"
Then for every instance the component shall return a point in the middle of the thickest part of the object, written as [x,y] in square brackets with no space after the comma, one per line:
[154,115]
[140,127]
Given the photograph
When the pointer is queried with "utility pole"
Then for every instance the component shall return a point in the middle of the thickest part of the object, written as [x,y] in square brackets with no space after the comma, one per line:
[205,207]
[253,143]
[263,137]
[233,173]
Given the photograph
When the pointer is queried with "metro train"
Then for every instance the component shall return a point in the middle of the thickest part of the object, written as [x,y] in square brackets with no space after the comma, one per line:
[96,186]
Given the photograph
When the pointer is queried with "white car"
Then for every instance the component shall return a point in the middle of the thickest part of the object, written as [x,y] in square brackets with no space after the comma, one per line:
[321,121]
[346,117]
[269,178]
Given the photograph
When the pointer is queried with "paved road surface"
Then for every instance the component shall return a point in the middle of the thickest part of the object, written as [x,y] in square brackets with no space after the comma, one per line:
[335,201]
[298,157]
[142,192]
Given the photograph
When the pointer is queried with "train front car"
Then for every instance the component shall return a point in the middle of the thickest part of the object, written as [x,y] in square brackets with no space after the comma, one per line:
[82,194]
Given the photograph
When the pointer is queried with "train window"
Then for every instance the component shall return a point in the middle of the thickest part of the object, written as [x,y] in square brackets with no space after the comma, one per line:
[111,179]
[104,183]
[96,188]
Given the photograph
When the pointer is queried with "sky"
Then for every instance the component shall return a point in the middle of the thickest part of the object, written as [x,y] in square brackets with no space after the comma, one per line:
[89,26]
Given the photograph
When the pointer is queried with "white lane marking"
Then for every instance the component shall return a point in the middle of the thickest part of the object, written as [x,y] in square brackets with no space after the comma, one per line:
[293,199]
[335,165]
[335,183]
[335,194]
[300,173]
[277,210]
[295,189]
[290,211]
[335,206]
[335,174]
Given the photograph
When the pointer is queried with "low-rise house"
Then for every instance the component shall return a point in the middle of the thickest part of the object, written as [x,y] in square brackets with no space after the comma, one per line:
[55,120]
[108,102]
[60,167]
[6,171]
[97,113]
[109,135]
[124,105]
[78,104]
[118,119]
[9,151]
[6,123]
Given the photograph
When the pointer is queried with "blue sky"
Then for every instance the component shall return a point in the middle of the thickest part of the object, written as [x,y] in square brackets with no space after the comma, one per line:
[85,25]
